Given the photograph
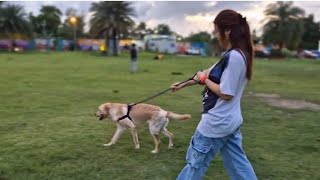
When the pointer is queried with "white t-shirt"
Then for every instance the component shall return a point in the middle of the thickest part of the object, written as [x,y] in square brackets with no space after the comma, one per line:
[225,117]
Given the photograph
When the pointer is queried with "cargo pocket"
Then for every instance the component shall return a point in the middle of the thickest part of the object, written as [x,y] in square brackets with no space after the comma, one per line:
[197,153]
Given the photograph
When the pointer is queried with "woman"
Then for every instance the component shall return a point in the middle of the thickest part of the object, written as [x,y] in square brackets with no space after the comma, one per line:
[219,128]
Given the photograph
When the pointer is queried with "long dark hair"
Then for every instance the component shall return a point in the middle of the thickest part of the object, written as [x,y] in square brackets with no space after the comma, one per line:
[240,36]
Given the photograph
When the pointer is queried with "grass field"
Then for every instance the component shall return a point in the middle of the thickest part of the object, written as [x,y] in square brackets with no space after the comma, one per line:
[48,131]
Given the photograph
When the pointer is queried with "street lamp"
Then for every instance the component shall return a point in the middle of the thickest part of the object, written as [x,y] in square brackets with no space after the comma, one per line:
[73,21]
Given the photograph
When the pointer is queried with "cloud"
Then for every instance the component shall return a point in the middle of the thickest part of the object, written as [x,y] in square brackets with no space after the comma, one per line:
[141,9]
[183,17]
[35,6]
[310,7]
[203,13]
[186,17]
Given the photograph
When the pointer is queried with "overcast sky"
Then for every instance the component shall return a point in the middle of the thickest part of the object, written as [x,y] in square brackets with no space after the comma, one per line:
[183,17]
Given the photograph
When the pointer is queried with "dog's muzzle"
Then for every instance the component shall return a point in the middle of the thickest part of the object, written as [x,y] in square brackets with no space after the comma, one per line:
[101,117]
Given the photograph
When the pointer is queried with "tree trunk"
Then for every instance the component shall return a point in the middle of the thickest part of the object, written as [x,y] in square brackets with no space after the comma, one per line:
[280,45]
[109,43]
[13,44]
[106,38]
[115,41]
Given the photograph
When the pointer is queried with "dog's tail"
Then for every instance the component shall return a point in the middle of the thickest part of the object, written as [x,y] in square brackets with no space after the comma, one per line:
[178,116]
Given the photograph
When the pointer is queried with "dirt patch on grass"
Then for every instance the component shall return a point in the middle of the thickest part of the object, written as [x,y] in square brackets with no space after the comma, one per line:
[276,101]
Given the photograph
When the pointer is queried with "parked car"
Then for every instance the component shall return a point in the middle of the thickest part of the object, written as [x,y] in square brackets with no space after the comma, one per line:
[317,53]
[308,54]
[193,51]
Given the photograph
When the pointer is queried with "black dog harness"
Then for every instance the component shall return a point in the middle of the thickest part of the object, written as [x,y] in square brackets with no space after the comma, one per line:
[128,112]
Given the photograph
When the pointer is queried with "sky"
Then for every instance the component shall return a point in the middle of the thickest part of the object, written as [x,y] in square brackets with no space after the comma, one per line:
[183,17]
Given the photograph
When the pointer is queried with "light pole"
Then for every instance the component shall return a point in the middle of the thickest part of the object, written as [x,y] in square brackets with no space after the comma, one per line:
[73,21]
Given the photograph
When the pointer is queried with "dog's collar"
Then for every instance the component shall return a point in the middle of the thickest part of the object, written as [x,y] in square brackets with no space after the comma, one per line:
[127,115]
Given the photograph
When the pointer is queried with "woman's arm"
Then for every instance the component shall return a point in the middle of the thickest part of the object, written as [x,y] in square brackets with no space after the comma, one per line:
[196,79]
[212,86]
[175,86]
[216,89]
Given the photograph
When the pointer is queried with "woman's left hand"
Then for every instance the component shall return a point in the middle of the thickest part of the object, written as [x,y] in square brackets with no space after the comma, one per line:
[200,74]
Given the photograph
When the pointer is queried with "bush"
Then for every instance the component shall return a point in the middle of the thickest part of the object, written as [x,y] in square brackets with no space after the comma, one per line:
[289,54]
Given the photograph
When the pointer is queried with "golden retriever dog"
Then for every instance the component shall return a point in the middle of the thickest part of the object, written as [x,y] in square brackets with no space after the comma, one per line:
[156,117]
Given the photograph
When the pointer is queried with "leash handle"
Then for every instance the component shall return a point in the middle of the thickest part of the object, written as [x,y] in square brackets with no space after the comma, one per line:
[191,79]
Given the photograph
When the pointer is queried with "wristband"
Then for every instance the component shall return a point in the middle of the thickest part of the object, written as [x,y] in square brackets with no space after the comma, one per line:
[203,78]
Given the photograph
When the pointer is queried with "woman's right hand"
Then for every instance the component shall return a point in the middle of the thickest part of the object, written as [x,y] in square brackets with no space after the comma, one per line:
[176,86]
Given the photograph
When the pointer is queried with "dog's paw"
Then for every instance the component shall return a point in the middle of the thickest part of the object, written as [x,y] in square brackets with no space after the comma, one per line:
[137,146]
[106,145]
[154,151]
[170,146]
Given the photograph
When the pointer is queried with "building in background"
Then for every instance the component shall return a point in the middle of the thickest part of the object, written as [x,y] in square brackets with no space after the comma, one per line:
[161,43]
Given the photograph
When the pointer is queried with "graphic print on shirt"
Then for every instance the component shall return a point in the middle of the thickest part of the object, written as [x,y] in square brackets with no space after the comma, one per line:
[210,98]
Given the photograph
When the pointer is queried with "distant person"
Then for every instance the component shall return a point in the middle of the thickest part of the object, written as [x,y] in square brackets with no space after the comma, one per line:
[134,58]
[221,118]
[14,45]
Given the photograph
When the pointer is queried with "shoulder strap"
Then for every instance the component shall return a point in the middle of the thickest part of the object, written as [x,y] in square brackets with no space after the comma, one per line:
[127,115]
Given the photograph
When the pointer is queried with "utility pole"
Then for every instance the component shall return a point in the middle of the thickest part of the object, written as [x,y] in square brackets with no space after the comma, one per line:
[73,21]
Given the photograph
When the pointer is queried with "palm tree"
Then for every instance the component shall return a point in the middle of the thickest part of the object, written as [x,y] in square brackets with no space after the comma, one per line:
[202,36]
[1,16]
[311,35]
[110,18]
[49,19]
[13,20]
[139,31]
[284,26]
[35,24]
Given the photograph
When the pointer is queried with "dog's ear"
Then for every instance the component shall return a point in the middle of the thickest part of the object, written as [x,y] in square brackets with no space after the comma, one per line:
[107,107]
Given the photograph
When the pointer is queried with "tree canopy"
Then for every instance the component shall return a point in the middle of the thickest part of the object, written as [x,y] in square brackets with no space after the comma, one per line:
[284,25]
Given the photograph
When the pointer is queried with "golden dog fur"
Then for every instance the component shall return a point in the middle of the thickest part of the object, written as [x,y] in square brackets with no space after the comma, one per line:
[157,118]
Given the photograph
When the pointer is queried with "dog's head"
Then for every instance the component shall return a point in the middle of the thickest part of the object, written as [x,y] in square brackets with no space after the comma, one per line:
[103,111]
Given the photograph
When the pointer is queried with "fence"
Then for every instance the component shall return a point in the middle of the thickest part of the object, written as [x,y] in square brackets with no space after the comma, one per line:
[159,46]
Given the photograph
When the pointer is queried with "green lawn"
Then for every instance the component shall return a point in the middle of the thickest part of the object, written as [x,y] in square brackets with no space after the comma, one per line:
[48,131]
